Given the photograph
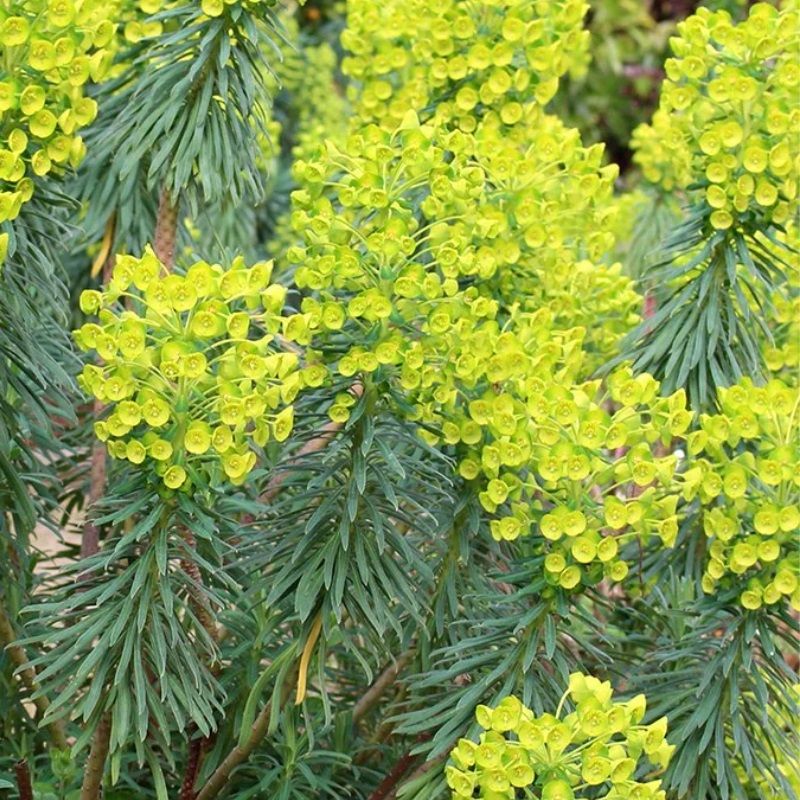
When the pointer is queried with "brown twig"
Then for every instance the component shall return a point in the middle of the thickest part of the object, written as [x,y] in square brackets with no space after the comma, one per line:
[426,766]
[166,233]
[366,702]
[90,540]
[164,246]
[239,754]
[204,613]
[92,786]
[389,783]
[387,788]
[23,774]
[192,768]
[197,593]
[27,676]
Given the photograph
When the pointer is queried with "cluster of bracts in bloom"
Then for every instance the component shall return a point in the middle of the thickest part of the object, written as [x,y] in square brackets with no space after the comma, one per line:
[599,742]
[197,377]
[190,367]
[729,121]
[452,245]
[59,46]
[404,250]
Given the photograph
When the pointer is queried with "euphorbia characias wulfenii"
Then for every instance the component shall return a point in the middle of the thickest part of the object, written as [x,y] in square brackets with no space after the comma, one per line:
[512,418]
[746,477]
[590,746]
[728,118]
[459,59]
[192,367]
[50,52]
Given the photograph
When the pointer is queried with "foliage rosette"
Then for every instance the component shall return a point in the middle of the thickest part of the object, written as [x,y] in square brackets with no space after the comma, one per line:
[194,367]
[594,751]
[51,51]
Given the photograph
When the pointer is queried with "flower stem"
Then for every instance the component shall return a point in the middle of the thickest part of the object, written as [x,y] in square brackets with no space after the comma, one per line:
[23,774]
[166,233]
[27,676]
[92,786]
[366,702]
[239,754]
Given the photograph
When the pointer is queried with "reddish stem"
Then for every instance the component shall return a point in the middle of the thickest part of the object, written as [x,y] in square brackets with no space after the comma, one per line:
[192,769]
[200,602]
[90,541]
[92,787]
[23,775]
[387,788]
[381,684]
[426,766]
[166,233]
[393,778]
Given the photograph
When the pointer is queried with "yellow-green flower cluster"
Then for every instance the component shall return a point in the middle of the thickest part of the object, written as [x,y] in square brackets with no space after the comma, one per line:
[596,750]
[555,463]
[782,355]
[137,22]
[211,8]
[357,212]
[487,333]
[192,367]
[458,59]
[729,121]
[746,475]
[541,224]
[50,51]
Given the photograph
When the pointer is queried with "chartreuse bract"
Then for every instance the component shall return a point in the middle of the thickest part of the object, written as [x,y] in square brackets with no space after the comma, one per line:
[726,129]
[456,60]
[590,746]
[442,459]
[51,51]
[725,139]
[193,367]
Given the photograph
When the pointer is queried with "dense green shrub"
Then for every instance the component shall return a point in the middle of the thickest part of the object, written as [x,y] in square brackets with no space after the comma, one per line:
[381,421]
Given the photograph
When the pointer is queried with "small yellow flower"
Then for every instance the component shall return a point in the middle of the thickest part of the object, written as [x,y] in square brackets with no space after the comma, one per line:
[175,477]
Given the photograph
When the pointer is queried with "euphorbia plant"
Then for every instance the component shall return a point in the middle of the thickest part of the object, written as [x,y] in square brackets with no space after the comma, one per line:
[340,505]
